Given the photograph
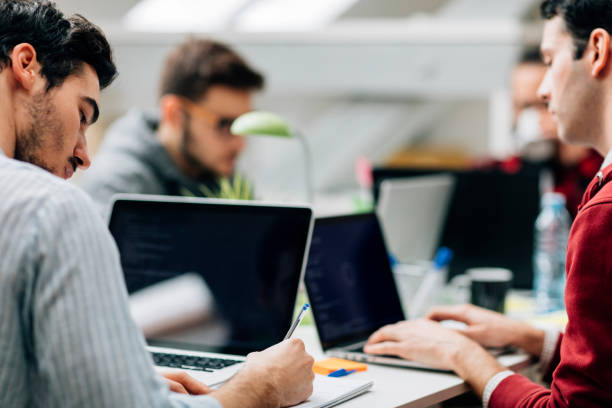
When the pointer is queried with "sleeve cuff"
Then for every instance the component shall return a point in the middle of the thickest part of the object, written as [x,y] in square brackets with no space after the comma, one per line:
[551,336]
[492,385]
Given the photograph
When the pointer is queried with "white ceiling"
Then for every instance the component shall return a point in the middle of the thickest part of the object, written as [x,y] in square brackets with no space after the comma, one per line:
[112,11]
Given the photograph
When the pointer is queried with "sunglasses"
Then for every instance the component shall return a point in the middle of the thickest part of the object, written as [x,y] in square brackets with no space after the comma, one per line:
[221,124]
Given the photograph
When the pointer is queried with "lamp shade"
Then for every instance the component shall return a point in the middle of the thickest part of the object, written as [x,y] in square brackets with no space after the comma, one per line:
[260,123]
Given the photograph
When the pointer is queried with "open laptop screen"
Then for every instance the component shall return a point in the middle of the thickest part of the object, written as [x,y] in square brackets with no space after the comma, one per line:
[349,280]
[228,271]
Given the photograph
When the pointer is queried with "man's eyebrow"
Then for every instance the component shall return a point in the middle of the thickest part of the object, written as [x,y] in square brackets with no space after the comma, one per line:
[94,105]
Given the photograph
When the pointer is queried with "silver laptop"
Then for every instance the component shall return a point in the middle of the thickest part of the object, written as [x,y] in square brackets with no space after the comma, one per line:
[210,280]
[412,213]
[351,288]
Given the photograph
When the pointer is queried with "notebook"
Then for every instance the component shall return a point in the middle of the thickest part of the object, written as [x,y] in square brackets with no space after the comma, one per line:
[210,280]
[328,391]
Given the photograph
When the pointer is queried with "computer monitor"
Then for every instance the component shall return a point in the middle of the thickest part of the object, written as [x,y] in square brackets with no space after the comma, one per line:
[249,257]
[412,212]
[490,220]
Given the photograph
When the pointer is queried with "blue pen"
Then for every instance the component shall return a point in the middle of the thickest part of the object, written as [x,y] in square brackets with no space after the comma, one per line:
[340,373]
[297,321]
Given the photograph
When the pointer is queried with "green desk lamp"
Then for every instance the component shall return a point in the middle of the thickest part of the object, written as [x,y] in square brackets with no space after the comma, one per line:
[258,123]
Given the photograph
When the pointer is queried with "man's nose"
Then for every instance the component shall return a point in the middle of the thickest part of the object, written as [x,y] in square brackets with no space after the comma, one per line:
[81,155]
[544,89]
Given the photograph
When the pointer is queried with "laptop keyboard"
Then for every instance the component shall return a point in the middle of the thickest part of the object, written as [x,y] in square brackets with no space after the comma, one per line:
[186,362]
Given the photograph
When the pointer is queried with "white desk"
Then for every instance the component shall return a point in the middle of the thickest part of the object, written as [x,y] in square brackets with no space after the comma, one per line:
[403,387]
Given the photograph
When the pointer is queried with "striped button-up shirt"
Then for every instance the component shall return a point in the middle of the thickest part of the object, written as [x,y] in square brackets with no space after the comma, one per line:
[66,335]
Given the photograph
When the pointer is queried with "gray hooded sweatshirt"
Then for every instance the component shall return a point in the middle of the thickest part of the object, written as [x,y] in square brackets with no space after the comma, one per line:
[132,159]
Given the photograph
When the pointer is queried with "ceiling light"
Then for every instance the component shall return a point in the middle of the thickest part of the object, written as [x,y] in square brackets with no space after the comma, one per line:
[291,15]
[182,15]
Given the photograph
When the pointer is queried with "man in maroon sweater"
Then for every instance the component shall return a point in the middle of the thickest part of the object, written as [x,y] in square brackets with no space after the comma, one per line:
[576,47]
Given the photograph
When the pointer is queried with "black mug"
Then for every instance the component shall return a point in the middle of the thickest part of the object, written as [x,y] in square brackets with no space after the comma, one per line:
[489,287]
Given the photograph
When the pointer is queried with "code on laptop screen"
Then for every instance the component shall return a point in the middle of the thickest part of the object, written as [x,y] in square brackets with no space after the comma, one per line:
[220,276]
[349,280]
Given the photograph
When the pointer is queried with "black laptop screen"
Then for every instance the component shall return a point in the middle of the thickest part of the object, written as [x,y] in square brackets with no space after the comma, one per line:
[247,258]
[349,280]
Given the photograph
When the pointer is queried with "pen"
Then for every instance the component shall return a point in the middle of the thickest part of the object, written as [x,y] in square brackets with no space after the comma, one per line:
[340,373]
[297,321]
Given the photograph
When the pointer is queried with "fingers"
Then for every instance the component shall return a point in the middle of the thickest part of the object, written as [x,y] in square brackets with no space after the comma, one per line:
[455,312]
[187,383]
[176,387]
[297,344]
[386,347]
[384,334]
[293,344]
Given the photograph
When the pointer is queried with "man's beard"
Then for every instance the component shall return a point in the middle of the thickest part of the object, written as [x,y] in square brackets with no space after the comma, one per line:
[42,136]
[196,168]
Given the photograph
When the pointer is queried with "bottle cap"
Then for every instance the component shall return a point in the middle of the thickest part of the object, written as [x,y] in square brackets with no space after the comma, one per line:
[552,199]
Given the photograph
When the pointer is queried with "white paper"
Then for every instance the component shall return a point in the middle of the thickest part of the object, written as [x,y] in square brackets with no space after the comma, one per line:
[330,391]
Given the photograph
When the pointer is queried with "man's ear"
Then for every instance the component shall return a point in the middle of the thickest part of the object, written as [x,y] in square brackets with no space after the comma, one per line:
[25,65]
[172,111]
[599,57]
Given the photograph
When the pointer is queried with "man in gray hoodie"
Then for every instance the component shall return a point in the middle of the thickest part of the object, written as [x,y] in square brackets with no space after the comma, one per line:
[185,148]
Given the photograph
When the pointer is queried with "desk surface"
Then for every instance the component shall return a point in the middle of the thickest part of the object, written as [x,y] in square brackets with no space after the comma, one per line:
[403,387]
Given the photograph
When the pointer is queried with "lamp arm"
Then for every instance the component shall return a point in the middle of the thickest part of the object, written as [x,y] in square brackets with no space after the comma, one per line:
[307,165]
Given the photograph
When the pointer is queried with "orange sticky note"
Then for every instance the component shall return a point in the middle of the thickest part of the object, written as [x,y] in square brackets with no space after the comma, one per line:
[332,364]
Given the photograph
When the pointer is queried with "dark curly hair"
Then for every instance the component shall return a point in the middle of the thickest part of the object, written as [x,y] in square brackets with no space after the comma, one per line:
[581,18]
[62,43]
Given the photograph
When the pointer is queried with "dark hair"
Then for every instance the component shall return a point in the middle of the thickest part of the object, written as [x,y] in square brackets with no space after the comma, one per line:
[196,65]
[581,18]
[62,44]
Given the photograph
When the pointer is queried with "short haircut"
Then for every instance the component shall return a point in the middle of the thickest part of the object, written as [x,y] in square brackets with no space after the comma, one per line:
[62,43]
[197,64]
[581,18]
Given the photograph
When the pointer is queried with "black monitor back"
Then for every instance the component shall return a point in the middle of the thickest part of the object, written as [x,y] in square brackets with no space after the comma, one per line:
[490,219]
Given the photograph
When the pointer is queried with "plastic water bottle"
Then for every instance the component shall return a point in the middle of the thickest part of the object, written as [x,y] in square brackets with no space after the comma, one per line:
[432,285]
[551,234]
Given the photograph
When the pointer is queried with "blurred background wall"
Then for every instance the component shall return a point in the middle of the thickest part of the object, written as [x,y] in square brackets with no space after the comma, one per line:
[395,81]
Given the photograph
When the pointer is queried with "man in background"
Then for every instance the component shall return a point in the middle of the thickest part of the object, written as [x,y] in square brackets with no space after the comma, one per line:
[577,87]
[571,167]
[67,337]
[186,148]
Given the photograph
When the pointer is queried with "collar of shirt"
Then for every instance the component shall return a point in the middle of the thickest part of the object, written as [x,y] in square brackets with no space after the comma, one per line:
[607,161]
